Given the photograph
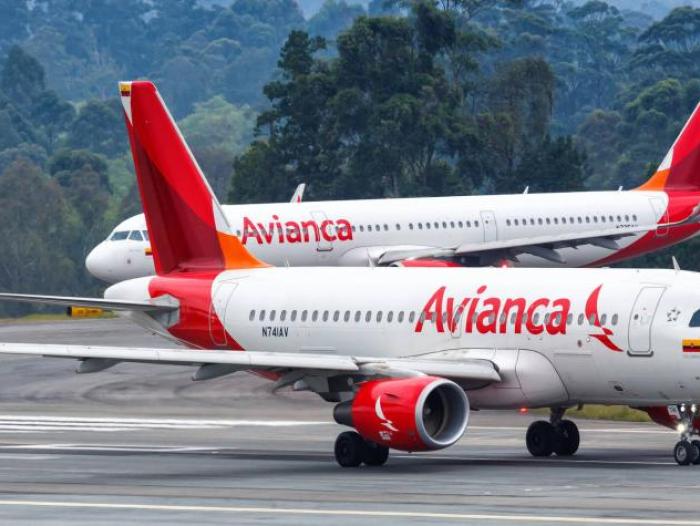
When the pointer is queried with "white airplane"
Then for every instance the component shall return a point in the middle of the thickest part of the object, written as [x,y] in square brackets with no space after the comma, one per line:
[404,353]
[559,229]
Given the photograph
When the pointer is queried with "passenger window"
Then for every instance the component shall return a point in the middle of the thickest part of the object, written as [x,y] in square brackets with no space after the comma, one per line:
[420,226]
[556,220]
[410,226]
[603,319]
[569,319]
[377,228]
[588,219]
[459,224]
[262,315]
[386,227]
[398,226]
[119,236]
[507,222]
[539,221]
[358,314]
[452,224]
[614,319]
[252,315]
[427,226]
[336,315]
[516,222]
[444,224]
[283,315]
[325,315]
[346,317]
[314,315]
[379,316]
[695,319]
[369,228]
[591,319]
[304,315]
[272,315]
[634,217]
[411,317]
[580,319]
[436,224]
[627,218]
[476,224]
[368,316]
[469,224]
[293,316]
[532,221]
[389,316]
[362,228]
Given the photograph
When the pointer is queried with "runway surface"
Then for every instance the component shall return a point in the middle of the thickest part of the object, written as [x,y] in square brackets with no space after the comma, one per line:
[143,443]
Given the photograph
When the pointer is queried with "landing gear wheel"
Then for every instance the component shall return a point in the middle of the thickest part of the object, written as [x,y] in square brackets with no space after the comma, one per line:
[684,452]
[566,438]
[696,443]
[349,449]
[540,439]
[375,455]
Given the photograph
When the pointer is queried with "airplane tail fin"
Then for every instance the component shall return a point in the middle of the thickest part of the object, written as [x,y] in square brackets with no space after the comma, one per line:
[680,169]
[187,227]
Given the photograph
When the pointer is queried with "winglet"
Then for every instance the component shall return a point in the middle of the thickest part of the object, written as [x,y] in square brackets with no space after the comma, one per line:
[188,228]
[680,169]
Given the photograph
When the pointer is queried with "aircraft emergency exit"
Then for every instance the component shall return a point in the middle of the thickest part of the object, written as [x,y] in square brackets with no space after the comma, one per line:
[404,353]
[559,229]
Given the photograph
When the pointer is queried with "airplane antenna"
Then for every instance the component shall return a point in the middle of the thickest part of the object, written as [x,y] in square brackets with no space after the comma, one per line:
[619,188]
[676,266]
[527,189]
[286,262]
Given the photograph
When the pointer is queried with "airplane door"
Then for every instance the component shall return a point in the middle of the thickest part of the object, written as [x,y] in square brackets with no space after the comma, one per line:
[324,231]
[641,318]
[660,211]
[222,295]
[488,220]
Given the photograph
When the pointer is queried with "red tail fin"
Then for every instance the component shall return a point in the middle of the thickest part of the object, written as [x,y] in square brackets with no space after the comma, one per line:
[187,227]
[680,169]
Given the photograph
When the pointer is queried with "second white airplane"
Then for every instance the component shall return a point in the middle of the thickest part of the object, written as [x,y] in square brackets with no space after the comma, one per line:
[534,230]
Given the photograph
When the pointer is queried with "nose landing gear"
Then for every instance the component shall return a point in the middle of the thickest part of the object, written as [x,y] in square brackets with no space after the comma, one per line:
[557,436]
[687,450]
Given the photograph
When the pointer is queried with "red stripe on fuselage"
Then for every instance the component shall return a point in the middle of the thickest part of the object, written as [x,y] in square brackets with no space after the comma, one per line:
[197,317]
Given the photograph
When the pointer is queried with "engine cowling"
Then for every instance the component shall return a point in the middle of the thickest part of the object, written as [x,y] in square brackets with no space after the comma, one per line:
[410,414]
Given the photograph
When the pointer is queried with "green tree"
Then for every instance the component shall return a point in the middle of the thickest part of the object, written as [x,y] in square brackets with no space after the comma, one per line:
[99,127]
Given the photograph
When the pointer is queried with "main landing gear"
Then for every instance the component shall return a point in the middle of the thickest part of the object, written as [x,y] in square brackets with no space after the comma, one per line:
[351,450]
[687,450]
[556,436]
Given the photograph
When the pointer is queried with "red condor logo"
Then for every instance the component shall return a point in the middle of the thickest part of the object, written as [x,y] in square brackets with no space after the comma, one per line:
[490,315]
[296,232]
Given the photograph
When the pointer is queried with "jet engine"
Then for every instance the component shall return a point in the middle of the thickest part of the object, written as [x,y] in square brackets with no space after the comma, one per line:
[411,414]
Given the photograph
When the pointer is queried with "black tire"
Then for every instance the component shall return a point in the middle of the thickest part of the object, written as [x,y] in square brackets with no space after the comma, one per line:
[566,439]
[375,454]
[696,443]
[540,439]
[349,449]
[683,452]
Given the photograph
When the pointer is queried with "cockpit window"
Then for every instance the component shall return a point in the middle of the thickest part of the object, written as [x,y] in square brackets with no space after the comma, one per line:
[145,234]
[695,320]
[119,236]
[136,236]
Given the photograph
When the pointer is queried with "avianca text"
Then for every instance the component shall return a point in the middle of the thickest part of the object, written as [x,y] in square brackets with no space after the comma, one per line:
[296,231]
[490,315]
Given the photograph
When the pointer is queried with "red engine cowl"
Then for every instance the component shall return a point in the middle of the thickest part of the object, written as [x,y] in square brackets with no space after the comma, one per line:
[411,414]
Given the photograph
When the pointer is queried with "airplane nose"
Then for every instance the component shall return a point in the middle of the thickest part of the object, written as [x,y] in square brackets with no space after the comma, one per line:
[97,263]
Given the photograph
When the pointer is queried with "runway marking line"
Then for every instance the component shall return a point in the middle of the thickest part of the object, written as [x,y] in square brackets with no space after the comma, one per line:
[352,513]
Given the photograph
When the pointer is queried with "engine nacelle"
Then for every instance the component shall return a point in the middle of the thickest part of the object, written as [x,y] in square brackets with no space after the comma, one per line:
[410,414]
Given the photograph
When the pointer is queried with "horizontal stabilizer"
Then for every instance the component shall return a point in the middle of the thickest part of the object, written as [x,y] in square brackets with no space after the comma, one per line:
[100,303]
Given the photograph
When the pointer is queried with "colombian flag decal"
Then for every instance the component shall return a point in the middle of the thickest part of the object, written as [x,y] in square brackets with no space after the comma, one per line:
[125,89]
[691,346]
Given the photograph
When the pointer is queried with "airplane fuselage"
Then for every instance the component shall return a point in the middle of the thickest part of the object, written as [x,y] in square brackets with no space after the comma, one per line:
[577,336]
[351,233]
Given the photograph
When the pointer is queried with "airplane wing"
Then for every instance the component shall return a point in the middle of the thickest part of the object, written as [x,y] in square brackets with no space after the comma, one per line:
[162,304]
[298,194]
[546,246]
[291,366]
